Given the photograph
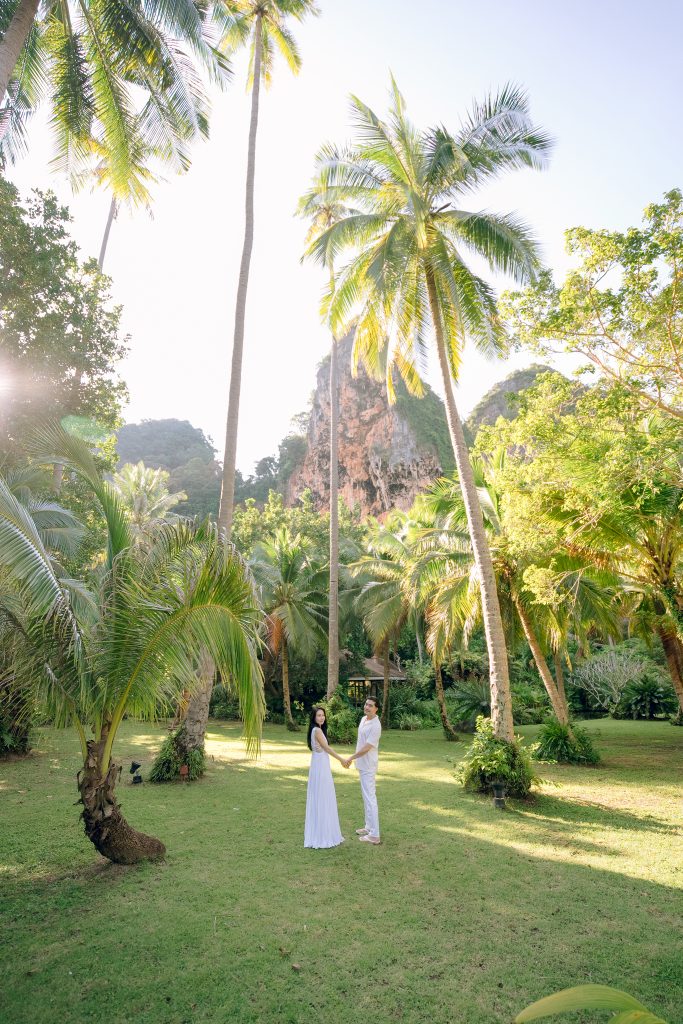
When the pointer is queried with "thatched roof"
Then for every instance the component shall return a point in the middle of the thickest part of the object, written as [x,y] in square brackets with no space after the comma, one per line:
[374,669]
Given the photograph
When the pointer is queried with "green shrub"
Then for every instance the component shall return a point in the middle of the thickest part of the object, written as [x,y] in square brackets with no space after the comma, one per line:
[224,704]
[489,759]
[342,720]
[467,700]
[648,697]
[565,744]
[420,675]
[530,704]
[410,723]
[168,761]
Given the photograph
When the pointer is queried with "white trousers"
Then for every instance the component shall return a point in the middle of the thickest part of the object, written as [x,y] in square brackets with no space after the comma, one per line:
[367,788]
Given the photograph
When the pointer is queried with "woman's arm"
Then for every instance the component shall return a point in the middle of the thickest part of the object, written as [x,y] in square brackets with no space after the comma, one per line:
[322,740]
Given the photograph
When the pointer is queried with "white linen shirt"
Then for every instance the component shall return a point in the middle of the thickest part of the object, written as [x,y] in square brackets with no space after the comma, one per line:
[369,731]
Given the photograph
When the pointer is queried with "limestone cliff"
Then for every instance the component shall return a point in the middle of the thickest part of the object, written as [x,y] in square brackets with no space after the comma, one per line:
[387,454]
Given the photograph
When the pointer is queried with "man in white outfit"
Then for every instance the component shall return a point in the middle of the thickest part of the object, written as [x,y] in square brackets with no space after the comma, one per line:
[367,758]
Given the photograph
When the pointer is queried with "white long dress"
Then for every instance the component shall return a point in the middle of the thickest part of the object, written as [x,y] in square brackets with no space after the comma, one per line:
[322,819]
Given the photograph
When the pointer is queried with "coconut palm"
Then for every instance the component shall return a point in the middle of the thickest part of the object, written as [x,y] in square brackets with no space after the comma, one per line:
[582,597]
[408,272]
[133,193]
[322,209]
[292,590]
[262,25]
[144,494]
[152,611]
[121,75]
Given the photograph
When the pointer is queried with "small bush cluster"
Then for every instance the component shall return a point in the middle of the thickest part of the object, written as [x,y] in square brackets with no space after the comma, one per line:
[342,720]
[224,704]
[565,744]
[648,697]
[408,709]
[168,761]
[490,760]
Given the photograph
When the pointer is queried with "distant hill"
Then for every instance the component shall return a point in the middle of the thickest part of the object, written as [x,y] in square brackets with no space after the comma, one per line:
[185,452]
[500,399]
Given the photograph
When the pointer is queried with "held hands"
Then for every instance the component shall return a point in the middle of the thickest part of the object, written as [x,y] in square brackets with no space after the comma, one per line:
[346,761]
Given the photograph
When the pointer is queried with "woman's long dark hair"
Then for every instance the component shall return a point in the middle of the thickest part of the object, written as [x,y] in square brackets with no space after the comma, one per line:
[312,724]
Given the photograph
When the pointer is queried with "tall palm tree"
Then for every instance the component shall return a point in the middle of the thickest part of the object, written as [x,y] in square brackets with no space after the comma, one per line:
[323,209]
[262,25]
[409,273]
[291,585]
[133,193]
[120,74]
[151,612]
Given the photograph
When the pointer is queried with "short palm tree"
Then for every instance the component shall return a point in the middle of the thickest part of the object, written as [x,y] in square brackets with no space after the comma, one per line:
[121,75]
[145,497]
[583,597]
[262,25]
[127,652]
[409,274]
[322,209]
[60,534]
[292,590]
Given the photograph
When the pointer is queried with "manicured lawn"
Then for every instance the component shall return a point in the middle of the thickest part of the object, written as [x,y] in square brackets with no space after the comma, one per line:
[462,915]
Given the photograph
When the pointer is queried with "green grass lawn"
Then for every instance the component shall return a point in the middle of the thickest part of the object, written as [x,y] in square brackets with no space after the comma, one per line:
[463,914]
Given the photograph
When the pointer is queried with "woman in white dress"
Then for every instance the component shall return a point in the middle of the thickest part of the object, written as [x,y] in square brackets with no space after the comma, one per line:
[321,830]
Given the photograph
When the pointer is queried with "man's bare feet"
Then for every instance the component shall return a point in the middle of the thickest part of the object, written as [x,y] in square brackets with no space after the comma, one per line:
[375,840]
[362,832]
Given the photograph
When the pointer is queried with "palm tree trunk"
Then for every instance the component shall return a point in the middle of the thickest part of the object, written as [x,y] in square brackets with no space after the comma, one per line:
[286,700]
[418,638]
[501,699]
[384,718]
[449,731]
[104,824]
[674,660]
[191,731]
[113,209]
[226,508]
[559,676]
[559,703]
[14,39]
[333,622]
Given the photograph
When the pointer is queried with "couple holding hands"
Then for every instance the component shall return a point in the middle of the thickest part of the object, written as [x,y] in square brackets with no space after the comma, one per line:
[322,829]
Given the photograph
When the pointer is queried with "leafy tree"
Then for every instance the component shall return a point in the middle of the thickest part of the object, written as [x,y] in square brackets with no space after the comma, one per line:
[589,469]
[126,650]
[409,274]
[291,584]
[621,308]
[60,338]
[262,25]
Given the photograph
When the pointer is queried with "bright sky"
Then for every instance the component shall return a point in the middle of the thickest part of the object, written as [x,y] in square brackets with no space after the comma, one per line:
[604,77]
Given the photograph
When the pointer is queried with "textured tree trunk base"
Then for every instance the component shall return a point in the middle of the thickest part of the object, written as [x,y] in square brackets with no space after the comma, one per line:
[104,824]
[448,730]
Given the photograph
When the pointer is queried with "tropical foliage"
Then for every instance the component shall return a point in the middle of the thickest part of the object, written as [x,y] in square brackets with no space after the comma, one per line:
[124,644]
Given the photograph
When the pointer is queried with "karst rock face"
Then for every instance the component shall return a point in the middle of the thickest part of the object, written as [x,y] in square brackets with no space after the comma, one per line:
[382,465]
